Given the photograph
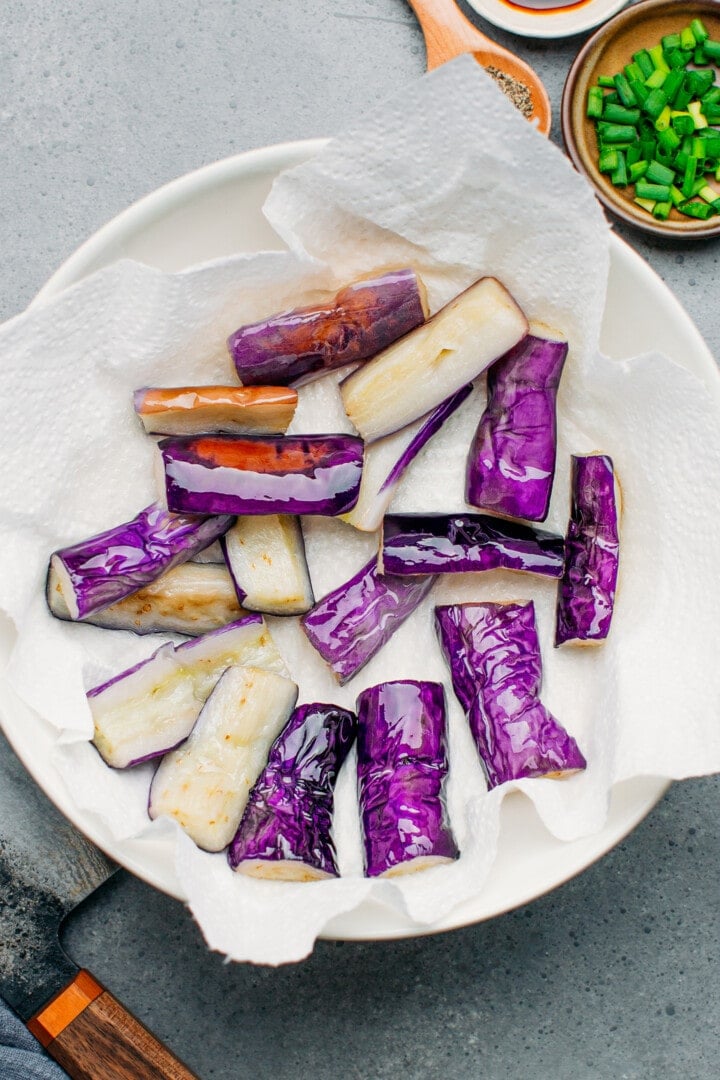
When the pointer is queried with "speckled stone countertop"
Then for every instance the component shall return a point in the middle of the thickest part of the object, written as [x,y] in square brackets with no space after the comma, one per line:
[616,974]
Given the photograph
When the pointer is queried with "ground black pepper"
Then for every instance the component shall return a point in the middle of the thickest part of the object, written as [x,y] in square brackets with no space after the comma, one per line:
[517,91]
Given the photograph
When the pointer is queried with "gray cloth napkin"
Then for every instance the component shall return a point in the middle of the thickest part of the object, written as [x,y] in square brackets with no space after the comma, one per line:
[21,1056]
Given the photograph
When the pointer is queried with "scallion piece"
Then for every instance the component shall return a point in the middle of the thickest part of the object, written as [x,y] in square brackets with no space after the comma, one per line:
[695,110]
[594,108]
[689,178]
[698,31]
[659,62]
[661,210]
[683,123]
[637,170]
[696,210]
[655,103]
[624,91]
[619,114]
[660,192]
[659,174]
[712,50]
[608,160]
[687,38]
[643,61]
[646,204]
[606,81]
[668,140]
[617,133]
[620,175]
[658,77]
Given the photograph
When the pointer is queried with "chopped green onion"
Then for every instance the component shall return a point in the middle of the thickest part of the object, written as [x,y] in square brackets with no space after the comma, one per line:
[618,114]
[652,191]
[637,170]
[656,55]
[617,133]
[689,178]
[643,61]
[594,103]
[695,110]
[698,30]
[655,103]
[712,50]
[608,160]
[654,120]
[696,210]
[687,38]
[623,88]
[659,174]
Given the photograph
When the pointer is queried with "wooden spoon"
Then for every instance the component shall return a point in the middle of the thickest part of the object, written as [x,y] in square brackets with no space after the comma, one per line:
[448,33]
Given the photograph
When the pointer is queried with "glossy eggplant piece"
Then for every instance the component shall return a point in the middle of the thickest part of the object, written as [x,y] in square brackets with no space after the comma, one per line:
[204,784]
[415,374]
[378,487]
[266,558]
[96,572]
[285,832]
[298,474]
[511,463]
[191,599]
[362,319]
[152,707]
[586,593]
[402,771]
[194,410]
[353,622]
[463,543]
[493,653]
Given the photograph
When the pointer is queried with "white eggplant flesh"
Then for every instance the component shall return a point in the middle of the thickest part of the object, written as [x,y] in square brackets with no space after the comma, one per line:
[205,783]
[266,559]
[213,553]
[416,373]
[150,709]
[190,599]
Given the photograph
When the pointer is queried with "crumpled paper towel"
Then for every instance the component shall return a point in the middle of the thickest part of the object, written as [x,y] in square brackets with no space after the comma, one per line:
[449,178]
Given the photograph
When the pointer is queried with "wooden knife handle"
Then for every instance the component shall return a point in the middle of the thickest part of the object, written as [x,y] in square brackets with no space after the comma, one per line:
[94,1037]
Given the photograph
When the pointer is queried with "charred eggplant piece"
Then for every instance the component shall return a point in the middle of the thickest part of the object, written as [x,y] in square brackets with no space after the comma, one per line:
[402,770]
[266,558]
[353,622]
[191,599]
[285,833]
[493,653]
[303,474]
[194,410]
[463,543]
[415,374]
[96,572]
[511,464]
[204,783]
[151,708]
[586,593]
[362,319]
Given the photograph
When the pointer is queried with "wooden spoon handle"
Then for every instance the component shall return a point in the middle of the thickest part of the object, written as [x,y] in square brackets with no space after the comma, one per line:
[446,31]
[94,1037]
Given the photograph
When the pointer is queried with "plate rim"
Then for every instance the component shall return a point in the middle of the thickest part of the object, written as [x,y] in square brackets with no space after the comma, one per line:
[549,25]
[133,854]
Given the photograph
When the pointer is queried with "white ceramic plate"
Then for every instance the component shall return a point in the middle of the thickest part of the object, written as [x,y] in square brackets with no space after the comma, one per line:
[555,22]
[216,211]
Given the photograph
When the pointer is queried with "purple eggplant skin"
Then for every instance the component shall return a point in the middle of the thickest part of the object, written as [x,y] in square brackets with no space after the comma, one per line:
[353,622]
[511,464]
[96,572]
[493,653]
[288,817]
[402,769]
[375,497]
[300,474]
[361,320]
[462,543]
[586,592]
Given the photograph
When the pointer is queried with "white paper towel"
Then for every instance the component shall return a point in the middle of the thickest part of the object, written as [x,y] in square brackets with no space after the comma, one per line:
[449,178]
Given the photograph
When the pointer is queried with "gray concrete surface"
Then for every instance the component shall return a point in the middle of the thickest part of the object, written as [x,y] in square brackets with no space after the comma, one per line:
[616,974]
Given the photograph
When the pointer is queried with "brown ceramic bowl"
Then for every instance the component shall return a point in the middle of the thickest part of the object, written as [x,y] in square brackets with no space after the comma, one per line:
[606,52]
